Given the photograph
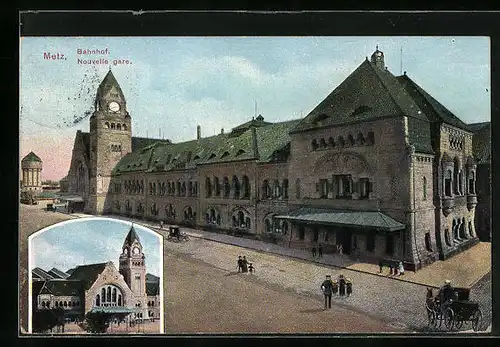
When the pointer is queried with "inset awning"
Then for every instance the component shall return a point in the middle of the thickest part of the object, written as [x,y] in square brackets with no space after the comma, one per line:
[357,219]
[72,198]
[113,309]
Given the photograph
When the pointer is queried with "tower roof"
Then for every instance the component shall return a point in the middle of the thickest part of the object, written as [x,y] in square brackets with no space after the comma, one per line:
[31,157]
[131,237]
[107,83]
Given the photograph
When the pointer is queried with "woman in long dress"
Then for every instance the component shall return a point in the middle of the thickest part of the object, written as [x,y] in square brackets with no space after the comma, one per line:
[401,268]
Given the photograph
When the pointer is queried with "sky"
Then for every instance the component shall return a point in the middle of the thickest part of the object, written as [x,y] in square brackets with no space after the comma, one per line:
[173,84]
[89,241]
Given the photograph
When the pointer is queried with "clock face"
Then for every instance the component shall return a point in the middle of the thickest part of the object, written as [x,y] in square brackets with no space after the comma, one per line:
[136,250]
[114,106]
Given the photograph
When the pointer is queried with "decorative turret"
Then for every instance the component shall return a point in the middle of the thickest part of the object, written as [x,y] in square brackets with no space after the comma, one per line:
[378,59]
[31,166]
[133,264]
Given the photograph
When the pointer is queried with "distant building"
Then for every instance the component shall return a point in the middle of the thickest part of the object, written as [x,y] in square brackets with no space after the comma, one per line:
[64,185]
[31,168]
[128,290]
[379,166]
[481,147]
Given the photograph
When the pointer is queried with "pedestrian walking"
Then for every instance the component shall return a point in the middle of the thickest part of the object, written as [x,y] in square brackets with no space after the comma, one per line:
[342,285]
[396,269]
[391,269]
[341,249]
[380,266]
[244,264]
[251,268]
[313,251]
[401,268]
[161,224]
[327,288]
[348,286]
[240,264]
[320,251]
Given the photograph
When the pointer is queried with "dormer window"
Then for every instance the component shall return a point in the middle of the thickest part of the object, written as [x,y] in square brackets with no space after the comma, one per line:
[212,156]
[240,152]
[225,154]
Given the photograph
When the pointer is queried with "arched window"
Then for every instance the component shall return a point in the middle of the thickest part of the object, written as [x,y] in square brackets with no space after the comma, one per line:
[60,304]
[43,303]
[314,145]
[236,187]
[208,187]
[269,226]
[227,187]
[331,142]
[216,186]
[112,125]
[265,189]
[371,138]
[246,187]
[114,295]
[184,191]
[360,139]
[57,304]
[285,188]
[106,125]
[241,219]
[322,143]
[108,295]
[341,141]
[119,300]
[350,140]
[447,183]
[178,188]
[124,127]
[276,189]
[103,295]
[424,187]
[119,126]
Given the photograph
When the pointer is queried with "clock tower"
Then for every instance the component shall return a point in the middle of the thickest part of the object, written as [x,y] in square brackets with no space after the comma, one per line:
[110,140]
[133,264]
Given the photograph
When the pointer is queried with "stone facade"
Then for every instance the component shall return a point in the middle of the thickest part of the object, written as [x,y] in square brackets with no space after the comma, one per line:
[384,147]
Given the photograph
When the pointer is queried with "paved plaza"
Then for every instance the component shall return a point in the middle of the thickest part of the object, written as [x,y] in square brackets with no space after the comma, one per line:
[286,286]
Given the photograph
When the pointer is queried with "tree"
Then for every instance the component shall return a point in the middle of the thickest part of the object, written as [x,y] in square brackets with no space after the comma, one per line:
[97,322]
[45,320]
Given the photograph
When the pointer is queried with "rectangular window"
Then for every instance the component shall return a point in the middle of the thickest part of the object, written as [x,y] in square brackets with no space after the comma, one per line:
[370,242]
[323,186]
[428,244]
[364,185]
[344,186]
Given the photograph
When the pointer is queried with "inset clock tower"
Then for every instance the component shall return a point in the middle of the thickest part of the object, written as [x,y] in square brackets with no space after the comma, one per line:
[133,264]
[110,140]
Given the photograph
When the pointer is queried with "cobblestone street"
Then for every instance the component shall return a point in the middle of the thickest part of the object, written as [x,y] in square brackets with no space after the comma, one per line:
[288,277]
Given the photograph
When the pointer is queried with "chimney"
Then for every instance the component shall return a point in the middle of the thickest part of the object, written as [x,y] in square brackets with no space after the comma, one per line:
[222,131]
[198,132]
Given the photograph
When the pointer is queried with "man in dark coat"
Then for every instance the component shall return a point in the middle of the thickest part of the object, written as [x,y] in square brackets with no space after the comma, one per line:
[314,251]
[380,265]
[327,287]
[240,264]
[320,250]
[446,294]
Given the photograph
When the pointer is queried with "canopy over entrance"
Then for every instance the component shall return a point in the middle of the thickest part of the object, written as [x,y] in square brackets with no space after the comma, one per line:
[113,309]
[71,198]
[357,219]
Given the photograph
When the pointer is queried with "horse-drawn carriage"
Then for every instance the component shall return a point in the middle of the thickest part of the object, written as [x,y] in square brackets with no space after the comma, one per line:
[175,234]
[453,313]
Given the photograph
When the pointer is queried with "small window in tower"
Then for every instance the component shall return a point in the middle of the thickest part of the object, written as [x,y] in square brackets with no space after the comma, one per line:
[118,126]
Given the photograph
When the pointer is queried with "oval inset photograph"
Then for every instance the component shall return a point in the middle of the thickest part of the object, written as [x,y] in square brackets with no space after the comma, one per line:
[95,276]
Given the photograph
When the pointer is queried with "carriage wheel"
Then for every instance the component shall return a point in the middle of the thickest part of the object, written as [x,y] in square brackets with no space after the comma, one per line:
[477,319]
[432,318]
[449,317]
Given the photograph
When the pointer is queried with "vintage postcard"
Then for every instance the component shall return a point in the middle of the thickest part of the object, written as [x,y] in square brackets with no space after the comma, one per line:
[314,184]
[95,275]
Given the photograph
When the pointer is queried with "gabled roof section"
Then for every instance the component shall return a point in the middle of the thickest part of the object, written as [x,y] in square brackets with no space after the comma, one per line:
[42,274]
[131,237]
[273,138]
[56,273]
[30,157]
[59,287]
[434,110]
[366,94]
[152,288]
[152,278]
[107,84]
[87,274]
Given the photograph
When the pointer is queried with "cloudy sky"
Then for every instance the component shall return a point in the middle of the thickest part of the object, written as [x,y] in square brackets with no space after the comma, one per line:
[175,83]
[88,241]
